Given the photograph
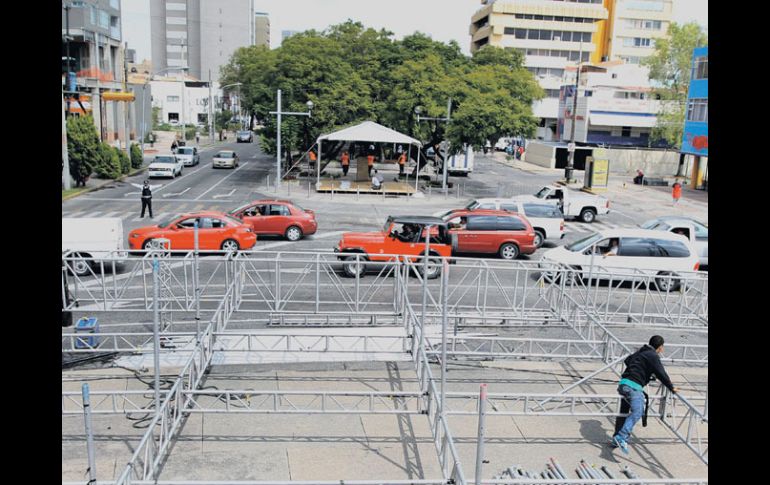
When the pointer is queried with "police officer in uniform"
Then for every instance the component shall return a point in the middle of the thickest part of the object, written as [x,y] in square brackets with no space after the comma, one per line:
[146,196]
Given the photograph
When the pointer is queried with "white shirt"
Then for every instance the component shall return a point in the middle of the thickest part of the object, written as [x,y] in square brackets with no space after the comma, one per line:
[152,187]
[376,181]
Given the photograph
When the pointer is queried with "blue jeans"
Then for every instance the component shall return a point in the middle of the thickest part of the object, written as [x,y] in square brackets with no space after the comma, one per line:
[636,400]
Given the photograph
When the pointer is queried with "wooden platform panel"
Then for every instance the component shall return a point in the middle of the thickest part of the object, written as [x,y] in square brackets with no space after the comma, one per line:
[350,186]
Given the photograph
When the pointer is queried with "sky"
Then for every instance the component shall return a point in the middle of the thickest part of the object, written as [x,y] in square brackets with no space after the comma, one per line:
[443,20]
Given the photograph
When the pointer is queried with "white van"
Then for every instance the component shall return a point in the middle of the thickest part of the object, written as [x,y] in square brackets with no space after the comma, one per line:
[461,163]
[91,237]
[641,252]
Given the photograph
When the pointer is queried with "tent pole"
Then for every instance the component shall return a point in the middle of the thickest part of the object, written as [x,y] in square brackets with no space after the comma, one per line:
[318,165]
[417,170]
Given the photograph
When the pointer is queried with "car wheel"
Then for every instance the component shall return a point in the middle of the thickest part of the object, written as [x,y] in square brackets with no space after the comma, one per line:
[668,282]
[509,251]
[293,233]
[434,266]
[80,267]
[539,238]
[230,245]
[587,215]
[354,266]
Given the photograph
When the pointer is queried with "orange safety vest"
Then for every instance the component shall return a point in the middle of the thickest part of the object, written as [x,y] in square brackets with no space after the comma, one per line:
[402,159]
[677,190]
[345,159]
[370,160]
[312,156]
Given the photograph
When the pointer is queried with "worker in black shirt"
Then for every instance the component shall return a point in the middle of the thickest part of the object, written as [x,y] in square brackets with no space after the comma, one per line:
[146,196]
[640,366]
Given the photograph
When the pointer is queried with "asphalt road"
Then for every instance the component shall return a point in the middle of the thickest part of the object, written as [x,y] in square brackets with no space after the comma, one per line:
[203,187]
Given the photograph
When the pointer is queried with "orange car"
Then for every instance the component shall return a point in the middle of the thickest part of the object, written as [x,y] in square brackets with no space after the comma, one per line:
[216,231]
[401,235]
[282,217]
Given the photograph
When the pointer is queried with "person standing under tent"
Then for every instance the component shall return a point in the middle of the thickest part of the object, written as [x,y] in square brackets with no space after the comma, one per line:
[345,163]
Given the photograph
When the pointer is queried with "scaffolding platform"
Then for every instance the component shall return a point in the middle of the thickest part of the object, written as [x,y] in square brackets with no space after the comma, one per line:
[353,187]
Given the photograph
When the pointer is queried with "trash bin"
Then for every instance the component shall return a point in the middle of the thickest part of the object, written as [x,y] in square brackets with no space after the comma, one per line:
[87,325]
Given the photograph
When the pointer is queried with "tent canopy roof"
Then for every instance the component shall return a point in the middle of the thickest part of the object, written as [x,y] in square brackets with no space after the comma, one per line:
[369,131]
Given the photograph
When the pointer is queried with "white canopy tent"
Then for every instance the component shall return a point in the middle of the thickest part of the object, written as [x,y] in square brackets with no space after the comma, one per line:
[367,131]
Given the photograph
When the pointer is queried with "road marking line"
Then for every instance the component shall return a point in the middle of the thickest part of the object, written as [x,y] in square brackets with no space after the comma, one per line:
[175,194]
[178,179]
[132,193]
[112,214]
[222,180]
[225,195]
[91,214]
[283,243]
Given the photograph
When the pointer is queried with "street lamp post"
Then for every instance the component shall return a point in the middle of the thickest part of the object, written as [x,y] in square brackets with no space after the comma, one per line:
[448,118]
[279,113]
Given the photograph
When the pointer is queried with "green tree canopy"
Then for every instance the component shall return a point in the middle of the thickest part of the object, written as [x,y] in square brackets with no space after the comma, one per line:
[670,73]
[352,73]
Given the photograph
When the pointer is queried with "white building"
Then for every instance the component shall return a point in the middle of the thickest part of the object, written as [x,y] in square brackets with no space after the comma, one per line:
[167,95]
[615,106]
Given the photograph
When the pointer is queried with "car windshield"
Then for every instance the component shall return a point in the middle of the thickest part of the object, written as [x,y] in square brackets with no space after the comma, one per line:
[472,205]
[244,133]
[167,221]
[239,209]
[164,160]
[184,151]
[582,244]
[447,214]
[225,155]
[542,193]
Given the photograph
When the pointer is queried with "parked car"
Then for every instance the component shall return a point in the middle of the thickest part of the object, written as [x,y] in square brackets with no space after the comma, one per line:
[188,155]
[165,166]
[244,136]
[91,237]
[490,232]
[572,203]
[639,253]
[696,232]
[503,143]
[216,231]
[225,158]
[271,216]
[546,219]
[401,235]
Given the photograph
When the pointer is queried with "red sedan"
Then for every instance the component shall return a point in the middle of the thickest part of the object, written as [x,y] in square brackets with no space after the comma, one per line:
[281,217]
[216,231]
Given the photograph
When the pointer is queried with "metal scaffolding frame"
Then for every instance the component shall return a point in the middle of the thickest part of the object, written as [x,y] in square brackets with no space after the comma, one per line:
[256,283]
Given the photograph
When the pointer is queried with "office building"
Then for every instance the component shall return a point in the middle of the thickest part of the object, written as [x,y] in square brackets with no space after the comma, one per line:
[199,34]
[261,29]
[695,137]
[631,29]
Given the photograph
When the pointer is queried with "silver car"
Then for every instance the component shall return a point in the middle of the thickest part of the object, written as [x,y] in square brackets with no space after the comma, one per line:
[188,155]
[225,158]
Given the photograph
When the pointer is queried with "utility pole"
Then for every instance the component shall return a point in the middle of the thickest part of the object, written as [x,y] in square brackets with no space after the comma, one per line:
[278,133]
[126,108]
[417,111]
[571,161]
[66,179]
[184,131]
[67,42]
[211,111]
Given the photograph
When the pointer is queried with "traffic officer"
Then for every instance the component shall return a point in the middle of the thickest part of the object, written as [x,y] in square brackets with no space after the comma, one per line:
[146,196]
[345,163]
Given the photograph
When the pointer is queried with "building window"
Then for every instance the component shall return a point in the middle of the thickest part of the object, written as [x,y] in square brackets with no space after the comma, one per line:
[647,5]
[172,99]
[588,93]
[104,19]
[625,131]
[698,110]
[636,42]
[202,118]
[701,68]
[640,24]
[520,33]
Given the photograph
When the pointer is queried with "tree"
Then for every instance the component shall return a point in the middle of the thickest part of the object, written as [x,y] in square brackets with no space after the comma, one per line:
[670,72]
[352,73]
[83,147]
[136,156]
[123,160]
[109,162]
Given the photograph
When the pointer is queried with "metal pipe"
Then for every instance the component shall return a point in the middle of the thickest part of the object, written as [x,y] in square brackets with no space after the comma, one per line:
[156,329]
[444,309]
[89,434]
[196,282]
[424,291]
[558,467]
[482,429]
[607,471]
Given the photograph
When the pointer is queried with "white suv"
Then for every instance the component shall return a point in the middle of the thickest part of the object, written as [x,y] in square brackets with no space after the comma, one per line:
[546,219]
[639,253]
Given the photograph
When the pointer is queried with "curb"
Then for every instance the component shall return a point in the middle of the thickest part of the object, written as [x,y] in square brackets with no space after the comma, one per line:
[106,182]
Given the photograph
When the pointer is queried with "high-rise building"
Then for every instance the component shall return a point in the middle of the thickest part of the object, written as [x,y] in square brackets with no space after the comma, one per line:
[551,34]
[261,29]
[199,34]
[630,31]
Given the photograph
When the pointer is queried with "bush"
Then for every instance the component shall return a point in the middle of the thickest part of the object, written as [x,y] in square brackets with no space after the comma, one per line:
[125,162]
[83,147]
[109,162]
[189,133]
[136,156]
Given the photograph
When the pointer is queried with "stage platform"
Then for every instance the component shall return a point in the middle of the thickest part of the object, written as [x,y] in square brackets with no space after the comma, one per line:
[351,186]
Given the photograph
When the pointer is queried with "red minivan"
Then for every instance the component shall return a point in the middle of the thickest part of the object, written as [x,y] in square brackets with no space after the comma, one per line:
[491,232]
[282,217]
